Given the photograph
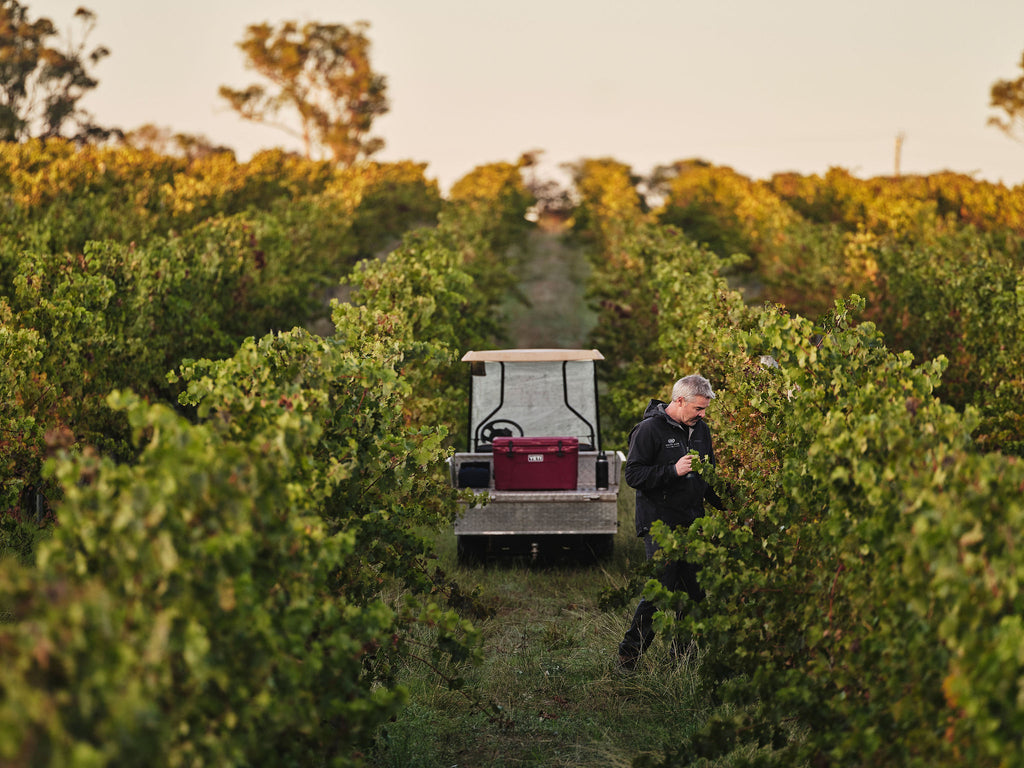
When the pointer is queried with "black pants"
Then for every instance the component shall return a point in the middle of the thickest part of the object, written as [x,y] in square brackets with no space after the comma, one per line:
[675,575]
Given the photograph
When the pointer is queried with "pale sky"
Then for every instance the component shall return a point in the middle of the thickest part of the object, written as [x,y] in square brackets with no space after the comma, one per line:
[763,87]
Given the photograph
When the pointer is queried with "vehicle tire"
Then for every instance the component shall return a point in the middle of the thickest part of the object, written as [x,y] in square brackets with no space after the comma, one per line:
[600,545]
[471,550]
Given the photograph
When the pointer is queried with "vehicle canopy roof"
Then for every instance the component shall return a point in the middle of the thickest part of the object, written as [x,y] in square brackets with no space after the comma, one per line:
[533,393]
[530,355]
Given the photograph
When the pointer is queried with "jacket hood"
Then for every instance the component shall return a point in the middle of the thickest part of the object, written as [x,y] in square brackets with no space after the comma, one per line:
[655,408]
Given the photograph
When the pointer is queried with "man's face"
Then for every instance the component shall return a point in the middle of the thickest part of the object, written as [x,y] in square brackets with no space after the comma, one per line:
[691,411]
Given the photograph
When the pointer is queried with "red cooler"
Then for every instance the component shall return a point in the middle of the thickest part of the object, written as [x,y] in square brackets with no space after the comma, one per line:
[535,463]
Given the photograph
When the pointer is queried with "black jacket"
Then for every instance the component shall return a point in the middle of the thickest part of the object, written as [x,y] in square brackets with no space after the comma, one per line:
[655,445]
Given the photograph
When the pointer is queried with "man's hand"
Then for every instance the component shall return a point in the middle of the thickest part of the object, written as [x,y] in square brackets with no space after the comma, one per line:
[684,465]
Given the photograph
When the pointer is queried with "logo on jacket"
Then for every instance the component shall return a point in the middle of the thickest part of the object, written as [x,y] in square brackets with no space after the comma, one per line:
[671,442]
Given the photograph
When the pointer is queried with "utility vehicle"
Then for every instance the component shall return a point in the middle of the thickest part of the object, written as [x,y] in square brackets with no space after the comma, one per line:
[541,479]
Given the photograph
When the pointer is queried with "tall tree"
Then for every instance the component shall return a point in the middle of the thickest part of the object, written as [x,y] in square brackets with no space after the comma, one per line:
[1008,95]
[323,73]
[43,77]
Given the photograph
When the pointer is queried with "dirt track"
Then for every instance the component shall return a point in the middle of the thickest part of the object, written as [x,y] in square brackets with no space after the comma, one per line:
[554,275]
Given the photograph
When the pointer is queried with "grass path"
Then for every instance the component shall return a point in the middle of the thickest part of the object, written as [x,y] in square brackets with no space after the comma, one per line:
[553,280]
[549,678]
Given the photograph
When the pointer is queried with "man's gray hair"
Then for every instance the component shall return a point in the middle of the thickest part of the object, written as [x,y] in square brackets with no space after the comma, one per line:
[693,386]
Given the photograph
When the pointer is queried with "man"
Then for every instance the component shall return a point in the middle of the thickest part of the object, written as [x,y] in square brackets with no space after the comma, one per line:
[660,467]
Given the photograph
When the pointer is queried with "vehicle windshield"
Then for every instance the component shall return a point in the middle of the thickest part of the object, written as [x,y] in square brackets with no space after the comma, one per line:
[534,399]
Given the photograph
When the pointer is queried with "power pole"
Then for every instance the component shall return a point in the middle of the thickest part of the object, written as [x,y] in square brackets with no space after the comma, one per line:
[899,149]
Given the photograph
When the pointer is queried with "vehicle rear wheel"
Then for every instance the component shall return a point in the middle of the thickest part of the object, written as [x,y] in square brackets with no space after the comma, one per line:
[600,545]
[471,550]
